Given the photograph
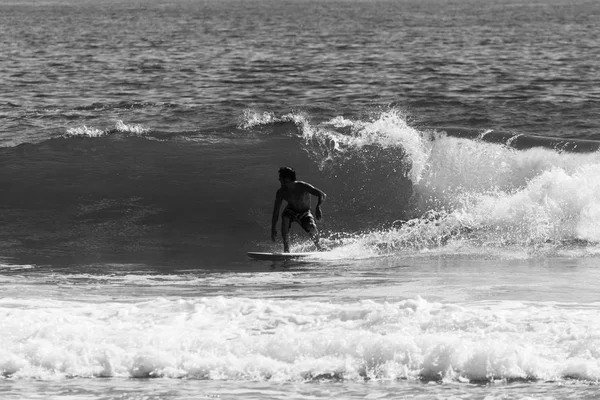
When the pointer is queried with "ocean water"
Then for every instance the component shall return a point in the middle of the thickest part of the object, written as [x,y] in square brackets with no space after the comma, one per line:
[457,142]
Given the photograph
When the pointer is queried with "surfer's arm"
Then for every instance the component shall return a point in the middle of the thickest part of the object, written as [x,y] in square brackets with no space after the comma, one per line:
[320,195]
[276,208]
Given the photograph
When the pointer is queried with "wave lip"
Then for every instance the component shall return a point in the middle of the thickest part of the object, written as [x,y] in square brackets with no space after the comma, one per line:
[387,132]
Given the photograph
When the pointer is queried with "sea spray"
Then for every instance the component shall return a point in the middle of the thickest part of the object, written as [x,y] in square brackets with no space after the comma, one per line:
[339,139]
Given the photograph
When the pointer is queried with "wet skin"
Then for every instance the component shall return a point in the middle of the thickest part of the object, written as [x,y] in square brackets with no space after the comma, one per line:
[298,195]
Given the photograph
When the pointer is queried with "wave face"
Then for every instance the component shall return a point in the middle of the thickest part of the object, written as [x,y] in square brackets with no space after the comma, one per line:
[132,194]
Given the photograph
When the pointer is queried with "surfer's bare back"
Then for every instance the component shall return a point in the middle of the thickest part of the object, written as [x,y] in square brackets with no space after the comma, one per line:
[297,195]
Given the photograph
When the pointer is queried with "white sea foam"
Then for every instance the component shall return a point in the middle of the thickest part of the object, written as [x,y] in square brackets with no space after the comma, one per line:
[120,127]
[84,131]
[535,195]
[253,118]
[284,340]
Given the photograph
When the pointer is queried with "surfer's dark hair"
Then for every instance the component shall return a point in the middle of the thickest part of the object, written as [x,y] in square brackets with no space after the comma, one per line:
[287,172]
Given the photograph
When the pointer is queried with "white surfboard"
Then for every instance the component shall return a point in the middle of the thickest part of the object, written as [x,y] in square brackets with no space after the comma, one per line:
[281,256]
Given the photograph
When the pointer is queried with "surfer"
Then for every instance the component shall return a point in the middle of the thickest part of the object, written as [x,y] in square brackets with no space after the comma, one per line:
[297,195]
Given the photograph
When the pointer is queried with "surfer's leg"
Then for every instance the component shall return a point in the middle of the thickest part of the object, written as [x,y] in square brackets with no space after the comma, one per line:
[309,225]
[285,232]
[314,235]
